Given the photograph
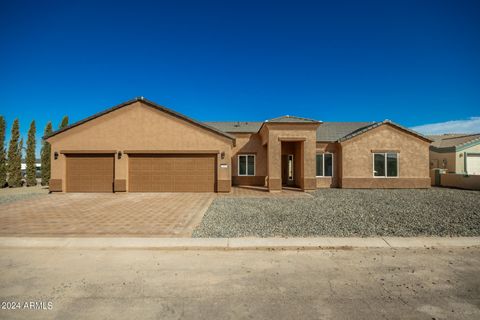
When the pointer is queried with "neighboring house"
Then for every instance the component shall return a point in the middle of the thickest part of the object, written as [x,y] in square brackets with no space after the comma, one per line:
[140,146]
[458,153]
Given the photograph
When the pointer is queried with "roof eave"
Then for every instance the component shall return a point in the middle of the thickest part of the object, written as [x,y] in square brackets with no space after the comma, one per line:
[467,144]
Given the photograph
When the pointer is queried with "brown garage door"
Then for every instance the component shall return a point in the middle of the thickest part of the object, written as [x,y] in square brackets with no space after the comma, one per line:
[90,173]
[171,173]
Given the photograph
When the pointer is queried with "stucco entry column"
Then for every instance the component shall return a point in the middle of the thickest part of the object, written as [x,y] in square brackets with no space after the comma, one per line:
[274,155]
[309,164]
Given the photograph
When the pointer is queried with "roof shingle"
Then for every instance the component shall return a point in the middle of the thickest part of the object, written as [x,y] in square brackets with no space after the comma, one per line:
[332,131]
[236,126]
[453,140]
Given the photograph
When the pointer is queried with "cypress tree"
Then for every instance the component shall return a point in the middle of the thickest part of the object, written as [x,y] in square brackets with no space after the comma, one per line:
[64,122]
[45,155]
[3,158]
[18,161]
[30,157]
[14,164]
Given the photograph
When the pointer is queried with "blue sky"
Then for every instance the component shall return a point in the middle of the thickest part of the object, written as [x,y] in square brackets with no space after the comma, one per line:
[414,62]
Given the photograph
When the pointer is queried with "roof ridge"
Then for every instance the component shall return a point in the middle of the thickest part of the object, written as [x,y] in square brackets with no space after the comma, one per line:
[291,117]
[462,136]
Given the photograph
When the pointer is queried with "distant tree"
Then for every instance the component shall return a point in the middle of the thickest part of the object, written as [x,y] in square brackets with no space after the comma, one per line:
[14,161]
[45,155]
[30,157]
[3,158]
[64,122]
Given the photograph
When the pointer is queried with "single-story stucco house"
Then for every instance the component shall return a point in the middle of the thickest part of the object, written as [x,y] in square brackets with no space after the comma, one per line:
[458,153]
[140,146]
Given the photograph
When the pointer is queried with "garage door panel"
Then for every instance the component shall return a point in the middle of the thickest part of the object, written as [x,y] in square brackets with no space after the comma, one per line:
[172,173]
[473,164]
[90,173]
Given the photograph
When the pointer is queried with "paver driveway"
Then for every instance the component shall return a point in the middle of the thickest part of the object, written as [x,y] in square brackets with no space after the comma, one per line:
[81,214]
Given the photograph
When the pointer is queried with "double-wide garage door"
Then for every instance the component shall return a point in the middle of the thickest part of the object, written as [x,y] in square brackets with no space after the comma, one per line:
[90,172]
[171,173]
[147,173]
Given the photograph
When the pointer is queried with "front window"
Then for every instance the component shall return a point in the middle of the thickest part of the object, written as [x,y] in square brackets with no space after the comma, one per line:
[385,164]
[324,165]
[246,165]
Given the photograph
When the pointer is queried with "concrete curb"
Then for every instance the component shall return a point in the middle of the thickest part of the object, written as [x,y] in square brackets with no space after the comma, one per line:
[237,243]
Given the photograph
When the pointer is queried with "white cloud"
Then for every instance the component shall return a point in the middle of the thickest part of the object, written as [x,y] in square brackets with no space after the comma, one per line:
[471,125]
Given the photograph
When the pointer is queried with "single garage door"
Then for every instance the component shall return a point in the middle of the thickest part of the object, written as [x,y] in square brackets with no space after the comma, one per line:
[171,173]
[90,172]
[473,164]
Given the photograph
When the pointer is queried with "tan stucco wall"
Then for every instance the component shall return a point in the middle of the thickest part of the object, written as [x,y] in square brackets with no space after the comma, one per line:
[440,157]
[140,127]
[247,143]
[277,132]
[357,159]
[460,181]
[330,147]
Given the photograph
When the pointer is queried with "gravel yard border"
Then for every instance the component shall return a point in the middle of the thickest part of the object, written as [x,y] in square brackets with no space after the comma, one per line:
[8,195]
[347,213]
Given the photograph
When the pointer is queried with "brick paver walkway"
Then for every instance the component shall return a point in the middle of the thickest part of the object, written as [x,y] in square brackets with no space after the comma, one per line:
[129,214]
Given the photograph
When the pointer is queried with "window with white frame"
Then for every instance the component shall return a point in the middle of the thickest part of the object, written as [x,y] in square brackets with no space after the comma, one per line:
[385,164]
[246,165]
[324,164]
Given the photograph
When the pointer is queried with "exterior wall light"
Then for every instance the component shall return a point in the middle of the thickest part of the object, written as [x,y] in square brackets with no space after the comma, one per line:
[55,155]
[119,155]
[222,155]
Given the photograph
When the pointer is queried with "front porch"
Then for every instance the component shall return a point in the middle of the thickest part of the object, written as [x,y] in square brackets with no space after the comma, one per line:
[291,150]
[241,191]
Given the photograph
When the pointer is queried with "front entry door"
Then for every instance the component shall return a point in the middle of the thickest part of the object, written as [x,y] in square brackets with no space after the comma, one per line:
[288,170]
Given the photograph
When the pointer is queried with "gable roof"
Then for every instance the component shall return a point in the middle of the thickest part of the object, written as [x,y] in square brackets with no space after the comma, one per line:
[291,119]
[378,124]
[333,131]
[236,126]
[326,132]
[454,140]
[150,103]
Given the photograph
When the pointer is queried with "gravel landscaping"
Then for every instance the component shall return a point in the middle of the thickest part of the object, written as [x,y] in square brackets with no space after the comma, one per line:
[347,212]
[15,194]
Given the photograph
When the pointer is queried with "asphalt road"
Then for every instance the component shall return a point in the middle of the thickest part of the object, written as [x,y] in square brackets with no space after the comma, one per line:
[312,284]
